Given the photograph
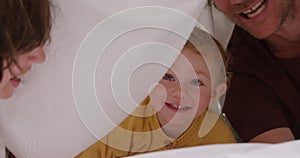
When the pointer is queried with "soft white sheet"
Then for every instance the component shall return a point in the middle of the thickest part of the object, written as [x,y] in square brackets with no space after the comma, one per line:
[242,150]
[44,119]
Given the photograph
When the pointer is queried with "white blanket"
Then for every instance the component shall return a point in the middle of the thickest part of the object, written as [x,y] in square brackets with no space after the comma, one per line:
[242,150]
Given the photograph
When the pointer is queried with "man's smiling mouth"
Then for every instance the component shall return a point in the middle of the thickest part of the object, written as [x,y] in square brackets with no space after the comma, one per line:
[255,10]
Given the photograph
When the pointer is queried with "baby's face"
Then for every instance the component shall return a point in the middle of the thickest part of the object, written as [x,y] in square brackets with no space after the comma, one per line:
[184,90]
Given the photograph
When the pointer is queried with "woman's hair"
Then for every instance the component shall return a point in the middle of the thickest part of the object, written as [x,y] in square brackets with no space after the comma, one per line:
[24,25]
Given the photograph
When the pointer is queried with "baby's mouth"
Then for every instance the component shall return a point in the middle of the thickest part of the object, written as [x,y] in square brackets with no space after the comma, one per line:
[255,10]
[177,107]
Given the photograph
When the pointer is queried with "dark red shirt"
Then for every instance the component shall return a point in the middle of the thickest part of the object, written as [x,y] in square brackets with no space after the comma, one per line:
[264,92]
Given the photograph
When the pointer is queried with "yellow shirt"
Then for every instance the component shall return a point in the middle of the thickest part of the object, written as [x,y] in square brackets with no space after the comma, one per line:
[136,135]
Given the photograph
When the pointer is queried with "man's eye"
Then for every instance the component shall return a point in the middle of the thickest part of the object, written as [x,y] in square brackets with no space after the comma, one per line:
[196,82]
[169,77]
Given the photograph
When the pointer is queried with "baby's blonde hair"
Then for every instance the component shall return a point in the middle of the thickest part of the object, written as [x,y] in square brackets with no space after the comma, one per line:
[225,58]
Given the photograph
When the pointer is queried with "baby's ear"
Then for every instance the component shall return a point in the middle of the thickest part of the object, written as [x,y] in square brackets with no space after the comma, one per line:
[218,91]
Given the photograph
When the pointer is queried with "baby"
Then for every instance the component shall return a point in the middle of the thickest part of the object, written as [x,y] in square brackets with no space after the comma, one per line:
[181,111]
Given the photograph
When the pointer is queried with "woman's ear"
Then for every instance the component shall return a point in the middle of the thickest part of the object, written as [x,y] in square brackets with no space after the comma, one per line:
[218,91]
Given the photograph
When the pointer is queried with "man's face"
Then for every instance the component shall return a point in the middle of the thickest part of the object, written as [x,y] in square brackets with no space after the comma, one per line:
[261,18]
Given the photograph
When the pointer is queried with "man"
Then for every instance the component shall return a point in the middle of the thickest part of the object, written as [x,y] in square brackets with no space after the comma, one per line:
[263,102]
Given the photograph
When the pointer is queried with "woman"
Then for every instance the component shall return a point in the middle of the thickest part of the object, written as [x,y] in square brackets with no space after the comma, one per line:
[24,30]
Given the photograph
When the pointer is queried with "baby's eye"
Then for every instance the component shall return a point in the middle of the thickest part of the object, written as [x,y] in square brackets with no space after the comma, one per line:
[196,82]
[169,77]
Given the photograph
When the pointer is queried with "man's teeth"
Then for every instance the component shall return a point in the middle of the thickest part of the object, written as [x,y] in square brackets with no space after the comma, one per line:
[254,11]
[253,8]
[180,107]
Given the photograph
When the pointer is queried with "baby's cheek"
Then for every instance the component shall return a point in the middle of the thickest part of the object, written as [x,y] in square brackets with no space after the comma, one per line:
[203,103]
[158,97]
[201,109]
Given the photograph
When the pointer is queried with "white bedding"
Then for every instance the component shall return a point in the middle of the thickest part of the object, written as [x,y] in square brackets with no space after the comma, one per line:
[242,150]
